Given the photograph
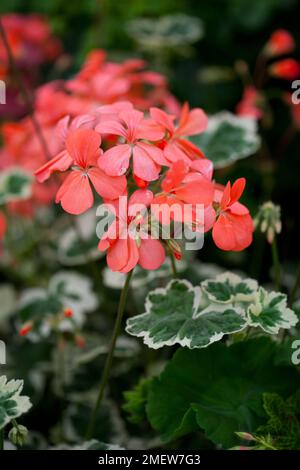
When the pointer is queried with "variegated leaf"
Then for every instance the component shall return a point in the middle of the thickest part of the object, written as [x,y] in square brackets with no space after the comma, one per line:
[269,311]
[12,403]
[175,315]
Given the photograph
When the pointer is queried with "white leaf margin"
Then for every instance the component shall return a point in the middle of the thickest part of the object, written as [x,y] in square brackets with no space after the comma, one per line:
[185,342]
[288,317]
[147,340]
[26,190]
[15,387]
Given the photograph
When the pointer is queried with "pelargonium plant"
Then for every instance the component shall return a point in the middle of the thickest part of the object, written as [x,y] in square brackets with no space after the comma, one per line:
[151,179]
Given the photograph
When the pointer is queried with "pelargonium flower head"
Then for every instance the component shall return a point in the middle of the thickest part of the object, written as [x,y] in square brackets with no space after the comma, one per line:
[176,146]
[127,241]
[136,133]
[233,229]
[182,191]
[82,153]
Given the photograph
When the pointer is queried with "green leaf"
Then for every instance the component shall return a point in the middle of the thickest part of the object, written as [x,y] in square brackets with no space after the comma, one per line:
[228,138]
[228,288]
[15,184]
[174,315]
[12,403]
[224,409]
[269,311]
[135,401]
[217,389]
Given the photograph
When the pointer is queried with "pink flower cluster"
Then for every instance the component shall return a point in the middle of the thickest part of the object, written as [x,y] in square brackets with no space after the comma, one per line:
[63,105]
[115,130]
[118,149]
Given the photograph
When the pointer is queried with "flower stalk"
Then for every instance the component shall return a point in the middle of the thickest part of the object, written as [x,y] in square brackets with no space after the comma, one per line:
[109,359]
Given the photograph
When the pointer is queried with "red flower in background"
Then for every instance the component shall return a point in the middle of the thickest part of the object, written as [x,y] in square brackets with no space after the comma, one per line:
[30,39]
[281,42]
[249,104]
[233,229]
[287,69]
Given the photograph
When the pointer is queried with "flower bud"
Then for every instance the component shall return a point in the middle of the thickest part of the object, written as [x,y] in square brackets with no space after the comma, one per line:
[18,435]
[268,220]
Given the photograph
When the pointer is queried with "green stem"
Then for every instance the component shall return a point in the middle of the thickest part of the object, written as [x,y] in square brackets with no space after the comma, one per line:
[2,439]
[276,264]
[173,264]
[109,359]
[295,287]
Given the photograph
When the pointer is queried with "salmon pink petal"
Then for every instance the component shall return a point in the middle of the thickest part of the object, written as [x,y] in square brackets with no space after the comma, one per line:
[149,130]
[75,194]
[163,119]
[83,146]
[190,149]
[83,120]
[175,175]
[243,227]
[233,232]
[111,127]
[203,166]
[226,196]
[196,189]
[143,165]
[61,129]
[174,151]
[192,122]
[115,161]
[152,254]
[117,256]
[60,162]
[133,256]
[109,187]
[238,209]
[237,190]
[103,245]
[132,120]
[140,196]
[209,218]
[155,153]
[223,233]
